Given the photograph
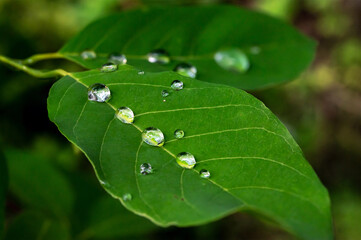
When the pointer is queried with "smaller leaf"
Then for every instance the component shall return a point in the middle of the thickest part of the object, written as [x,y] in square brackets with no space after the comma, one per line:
[225,44]
[35,225]
[38,184]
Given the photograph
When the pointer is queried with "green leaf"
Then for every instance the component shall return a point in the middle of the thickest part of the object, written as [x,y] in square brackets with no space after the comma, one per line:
[277,52]
[35,225]
[254,162]
[38,184]
[3,190]
[108,219]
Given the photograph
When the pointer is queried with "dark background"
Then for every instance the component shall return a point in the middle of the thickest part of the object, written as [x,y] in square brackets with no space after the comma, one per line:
[322,108]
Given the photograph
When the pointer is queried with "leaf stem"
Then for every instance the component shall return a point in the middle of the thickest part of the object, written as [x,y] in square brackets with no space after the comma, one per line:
[31,71]
[40,57]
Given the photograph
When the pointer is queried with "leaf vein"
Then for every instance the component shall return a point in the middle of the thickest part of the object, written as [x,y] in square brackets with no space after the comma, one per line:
[277,190]
[259,158]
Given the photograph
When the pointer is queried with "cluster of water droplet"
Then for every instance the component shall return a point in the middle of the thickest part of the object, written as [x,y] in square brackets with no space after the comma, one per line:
[153,136]
[161,56]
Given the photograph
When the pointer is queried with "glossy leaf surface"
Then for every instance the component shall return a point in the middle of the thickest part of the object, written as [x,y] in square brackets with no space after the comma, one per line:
[254,162]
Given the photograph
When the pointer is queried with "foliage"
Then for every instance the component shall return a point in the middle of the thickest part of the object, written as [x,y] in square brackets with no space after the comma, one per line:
[321,136]
[194,35]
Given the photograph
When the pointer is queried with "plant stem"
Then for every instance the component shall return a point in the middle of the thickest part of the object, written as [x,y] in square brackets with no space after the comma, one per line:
[40,57]
[31,71]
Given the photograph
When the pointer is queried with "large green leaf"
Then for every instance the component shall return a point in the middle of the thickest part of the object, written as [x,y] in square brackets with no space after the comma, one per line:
[38,184]
[277,52]
[3,190]
[254,162]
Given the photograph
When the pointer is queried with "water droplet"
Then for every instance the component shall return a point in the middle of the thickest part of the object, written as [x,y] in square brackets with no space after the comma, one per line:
[204,173]
[177,85]
[98,93]
[127,197]
[146,169]
[186,69]
[165,93]
[232,59]
[158,56]
[186,160]
[125,115]
[118,58]
[178,133]
[153,136]
[109,67]
[255,50]
[88,54]
[141,72]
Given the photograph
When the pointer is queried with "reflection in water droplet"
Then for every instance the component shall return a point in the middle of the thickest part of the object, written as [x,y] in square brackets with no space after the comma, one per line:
[165,93]
[118,58]
[186,69]
[146,169]
[141,72]
[98,93]
[177,85]
[127,197]
[186,160]
[204,173]
[125,115]
[153,136]
[232,59]
[178,133]
[109,67]
[255,50]
[88,54]
[158,56]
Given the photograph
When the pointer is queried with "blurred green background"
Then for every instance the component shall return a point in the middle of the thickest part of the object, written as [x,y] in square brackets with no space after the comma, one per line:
[322,109]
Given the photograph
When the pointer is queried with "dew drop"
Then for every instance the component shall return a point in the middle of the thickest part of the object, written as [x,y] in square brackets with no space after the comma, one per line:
[153,136]
[125,115]
[88,54]
[165,93]
[204,173]
[158,56]
[127,197]
[255,50]
[109,67]
[178,133]
[186,69]
[98,93]
[177,85]
[186,160]
[118,58]
[232,59]
[146,169]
